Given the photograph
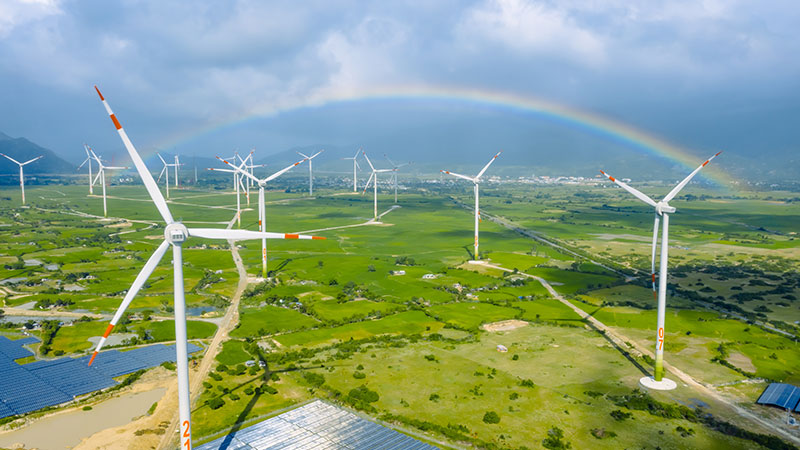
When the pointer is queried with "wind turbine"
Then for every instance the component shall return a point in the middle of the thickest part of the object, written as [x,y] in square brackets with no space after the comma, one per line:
[165,171]
[101,175]
[89,160]
[175,234]
[21,176]
[176,164]
[662,209]
[374,178]
[261,206]
[394,174]
[355,165]
[250,168]
[239,185]
[310,175]
[475,181]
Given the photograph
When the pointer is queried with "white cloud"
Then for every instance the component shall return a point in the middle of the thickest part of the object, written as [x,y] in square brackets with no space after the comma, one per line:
[532,28]
[14,13]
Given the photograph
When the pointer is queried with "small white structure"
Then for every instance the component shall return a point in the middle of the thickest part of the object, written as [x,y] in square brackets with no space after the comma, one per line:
[501,348]
[250,363]
[429,276]
[398,272]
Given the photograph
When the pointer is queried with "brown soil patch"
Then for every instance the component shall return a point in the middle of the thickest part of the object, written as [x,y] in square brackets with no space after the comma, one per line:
[504,325]
[742,361]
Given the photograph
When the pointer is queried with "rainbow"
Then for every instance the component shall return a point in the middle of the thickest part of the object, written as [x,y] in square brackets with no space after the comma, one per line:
[505,101]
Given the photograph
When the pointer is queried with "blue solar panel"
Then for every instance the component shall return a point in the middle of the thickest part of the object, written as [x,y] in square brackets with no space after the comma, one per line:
[23,392]
[781,395]
[5,411]
[114,363]
[13,349]
[72,377]
[27,340]
[317,425]
[6,363]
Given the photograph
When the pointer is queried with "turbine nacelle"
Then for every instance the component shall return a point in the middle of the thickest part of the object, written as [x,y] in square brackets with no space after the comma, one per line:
[663,207]
[176,233]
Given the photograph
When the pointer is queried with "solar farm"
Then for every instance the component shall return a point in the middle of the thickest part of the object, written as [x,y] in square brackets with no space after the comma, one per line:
[316,426]
[29,387]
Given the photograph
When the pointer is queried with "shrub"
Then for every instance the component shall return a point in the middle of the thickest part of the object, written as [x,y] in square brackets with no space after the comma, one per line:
[359,375]
[215,403]
[527,383]
[620,415]
[555,440]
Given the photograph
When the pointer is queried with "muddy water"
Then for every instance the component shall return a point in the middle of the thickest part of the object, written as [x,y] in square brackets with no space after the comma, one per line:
[66,430]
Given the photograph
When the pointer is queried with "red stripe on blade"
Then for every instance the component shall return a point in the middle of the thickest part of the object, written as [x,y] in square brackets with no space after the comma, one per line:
[98,93]
[116,122]
[108,330]
[320,238]
[92,359]
[291,236]
[704,164]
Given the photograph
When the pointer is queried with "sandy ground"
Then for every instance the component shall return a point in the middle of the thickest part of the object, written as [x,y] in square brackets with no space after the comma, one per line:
[505,325]
[741,361]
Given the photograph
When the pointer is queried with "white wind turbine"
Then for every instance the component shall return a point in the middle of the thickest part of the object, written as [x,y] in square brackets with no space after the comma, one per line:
[21,175]
[165,171]
[239,185]
[261,206]
[88,160]
[662,209]
[175,234]
[249,167]
[395,167]
[355,166]
[310,174]
[101,175]
[176,164]
[475,181]
[374,179]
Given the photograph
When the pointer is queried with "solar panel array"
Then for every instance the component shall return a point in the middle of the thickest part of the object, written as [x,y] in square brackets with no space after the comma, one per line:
[316,425]
[781,395]
[13,349]
[26,388]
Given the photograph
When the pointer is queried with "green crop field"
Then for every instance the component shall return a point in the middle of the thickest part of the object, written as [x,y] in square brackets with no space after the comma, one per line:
[394,304]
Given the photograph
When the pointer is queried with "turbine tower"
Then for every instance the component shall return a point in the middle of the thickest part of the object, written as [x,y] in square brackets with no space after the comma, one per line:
[239,185]
[165,171]
[374,179]
[355,165]
[662,210]
[175,234]
[89,160]
[310,175]
[475,181]
[176,164]
[101,175]
[261,206]
[21,175]
[395,167]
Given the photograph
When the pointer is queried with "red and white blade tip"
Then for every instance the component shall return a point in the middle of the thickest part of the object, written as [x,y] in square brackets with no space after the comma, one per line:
[608,176]
[98,93]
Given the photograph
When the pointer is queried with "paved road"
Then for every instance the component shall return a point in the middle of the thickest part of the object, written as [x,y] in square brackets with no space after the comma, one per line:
[622,342]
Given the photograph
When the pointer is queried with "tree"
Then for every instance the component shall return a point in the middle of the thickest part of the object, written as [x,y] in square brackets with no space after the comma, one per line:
[491,417]
[555,440]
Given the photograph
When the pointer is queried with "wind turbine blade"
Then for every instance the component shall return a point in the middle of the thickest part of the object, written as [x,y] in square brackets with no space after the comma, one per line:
[162,173]
[368,161]
[458,175]
[12,159]
[236,169]
[147,270]
[147,177]
[372,175]
[84,162]
[315,154]
[633,191]
[302,154]
[487,165]
[222,170]
[390,161]
[116,168]
[357,152]
[653,258]
[32,160]
[162,159]
[282,171]
[238,235]
[357,164]
[686,180]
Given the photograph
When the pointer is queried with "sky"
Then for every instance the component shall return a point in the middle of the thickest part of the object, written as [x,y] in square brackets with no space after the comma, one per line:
[699,74]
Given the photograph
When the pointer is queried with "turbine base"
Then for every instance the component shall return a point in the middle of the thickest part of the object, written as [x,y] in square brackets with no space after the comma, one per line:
[476,261]
[664,385]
